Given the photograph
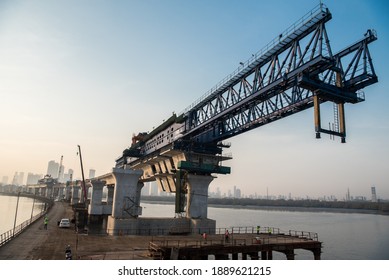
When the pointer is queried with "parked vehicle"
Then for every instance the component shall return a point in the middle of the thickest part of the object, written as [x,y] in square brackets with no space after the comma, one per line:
[64,223]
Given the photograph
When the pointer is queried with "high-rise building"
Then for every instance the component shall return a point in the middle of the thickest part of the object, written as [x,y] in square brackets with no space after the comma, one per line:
[33,179]
[52,169]
[18,179]
[5,180]
[68,176]
[373,194]
[92,173]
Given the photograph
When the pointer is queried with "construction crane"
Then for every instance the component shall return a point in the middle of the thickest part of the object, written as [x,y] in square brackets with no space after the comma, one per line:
[60,169]
[83,177]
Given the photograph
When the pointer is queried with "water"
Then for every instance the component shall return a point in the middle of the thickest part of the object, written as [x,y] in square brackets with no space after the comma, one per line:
[345,236]
[8,209]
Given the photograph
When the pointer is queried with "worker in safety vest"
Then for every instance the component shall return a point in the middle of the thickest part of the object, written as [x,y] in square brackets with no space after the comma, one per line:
[45,222]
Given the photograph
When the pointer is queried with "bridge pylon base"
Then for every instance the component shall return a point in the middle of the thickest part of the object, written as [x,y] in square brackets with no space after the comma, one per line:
[159,226]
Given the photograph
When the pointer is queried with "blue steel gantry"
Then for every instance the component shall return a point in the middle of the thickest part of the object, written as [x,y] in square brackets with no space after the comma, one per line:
[296,71]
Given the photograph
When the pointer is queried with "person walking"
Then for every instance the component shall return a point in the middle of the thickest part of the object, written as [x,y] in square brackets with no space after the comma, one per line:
[258,229]
[45,222]
[205,237]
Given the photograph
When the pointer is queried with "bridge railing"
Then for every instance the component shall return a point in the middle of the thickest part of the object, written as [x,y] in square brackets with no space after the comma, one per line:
[271,231]
[12,233]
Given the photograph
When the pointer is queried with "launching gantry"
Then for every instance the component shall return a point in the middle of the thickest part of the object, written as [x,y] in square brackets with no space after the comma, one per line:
[295,71]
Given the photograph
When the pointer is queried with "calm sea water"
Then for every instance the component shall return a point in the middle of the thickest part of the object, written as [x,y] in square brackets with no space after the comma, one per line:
[345,236]
[8,209]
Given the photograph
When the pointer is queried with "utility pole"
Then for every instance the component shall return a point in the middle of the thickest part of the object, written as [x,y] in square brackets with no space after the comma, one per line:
[16,214]
[83,178]
[60,169]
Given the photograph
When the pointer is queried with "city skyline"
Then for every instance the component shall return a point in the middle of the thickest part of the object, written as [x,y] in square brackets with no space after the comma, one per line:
[76,73]
[151,188]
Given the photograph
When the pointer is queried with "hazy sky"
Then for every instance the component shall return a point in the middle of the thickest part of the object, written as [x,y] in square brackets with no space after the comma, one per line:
[92,73]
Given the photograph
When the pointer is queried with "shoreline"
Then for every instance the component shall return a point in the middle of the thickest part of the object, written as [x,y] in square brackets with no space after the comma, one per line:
[284,208]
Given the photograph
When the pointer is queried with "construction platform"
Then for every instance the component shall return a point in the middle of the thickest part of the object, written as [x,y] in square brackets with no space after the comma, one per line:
[242,244]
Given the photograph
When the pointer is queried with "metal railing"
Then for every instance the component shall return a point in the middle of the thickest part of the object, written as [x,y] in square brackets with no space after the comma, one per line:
[12,233]
[217,231]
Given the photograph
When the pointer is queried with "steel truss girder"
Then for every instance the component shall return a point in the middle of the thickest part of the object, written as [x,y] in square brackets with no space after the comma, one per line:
[284,85]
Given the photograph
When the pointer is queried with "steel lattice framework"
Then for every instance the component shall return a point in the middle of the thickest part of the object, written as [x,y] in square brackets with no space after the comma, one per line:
[296,71]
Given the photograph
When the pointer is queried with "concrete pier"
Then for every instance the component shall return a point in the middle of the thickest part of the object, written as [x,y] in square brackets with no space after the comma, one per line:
[197,198]
[126,200]
[96,203]
[75,197]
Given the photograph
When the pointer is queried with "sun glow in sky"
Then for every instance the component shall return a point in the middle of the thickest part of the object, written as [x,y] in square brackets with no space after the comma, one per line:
[92,73]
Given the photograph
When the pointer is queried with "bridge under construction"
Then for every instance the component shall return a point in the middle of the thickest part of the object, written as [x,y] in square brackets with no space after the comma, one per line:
[297,70]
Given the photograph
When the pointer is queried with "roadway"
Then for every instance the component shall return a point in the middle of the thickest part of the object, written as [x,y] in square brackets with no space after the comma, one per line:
[36,243]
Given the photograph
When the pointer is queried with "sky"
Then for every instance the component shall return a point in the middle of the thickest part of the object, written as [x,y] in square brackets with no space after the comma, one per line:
[92,73]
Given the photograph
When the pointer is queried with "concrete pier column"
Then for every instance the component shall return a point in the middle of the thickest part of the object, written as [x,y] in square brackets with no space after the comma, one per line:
[269,255]
[264,255]
[126,202]
[317,254]
[221,257]
[68,193]
[289,254]
[75,195]
[126,199]
[61,191]
[49,191]
[110,192]
[254,256]
[197,198]
[107,208]
[96,206]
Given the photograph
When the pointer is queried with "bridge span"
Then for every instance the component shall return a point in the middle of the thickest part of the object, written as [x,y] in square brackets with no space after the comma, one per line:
[295,71]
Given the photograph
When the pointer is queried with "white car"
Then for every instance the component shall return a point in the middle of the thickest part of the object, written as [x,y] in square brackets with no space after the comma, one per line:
[64,223]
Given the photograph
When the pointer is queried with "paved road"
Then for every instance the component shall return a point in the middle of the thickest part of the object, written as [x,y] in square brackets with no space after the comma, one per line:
[34,240]
[36,243]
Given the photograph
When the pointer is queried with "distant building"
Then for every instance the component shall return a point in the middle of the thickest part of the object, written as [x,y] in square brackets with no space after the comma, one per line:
[5,180]
[68,176]
[32,179]
[18,179]
[373,194]
[92,173]
[237,192]
[52,169]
